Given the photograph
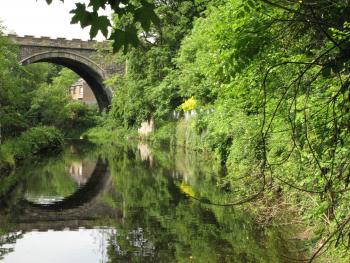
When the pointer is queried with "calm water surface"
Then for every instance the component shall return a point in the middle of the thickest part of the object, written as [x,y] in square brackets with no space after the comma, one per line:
[129,203]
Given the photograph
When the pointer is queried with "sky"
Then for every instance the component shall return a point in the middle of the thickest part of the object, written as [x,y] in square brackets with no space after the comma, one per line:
[36,17]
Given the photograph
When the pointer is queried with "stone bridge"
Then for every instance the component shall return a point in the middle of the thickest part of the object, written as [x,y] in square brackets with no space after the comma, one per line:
[86,58]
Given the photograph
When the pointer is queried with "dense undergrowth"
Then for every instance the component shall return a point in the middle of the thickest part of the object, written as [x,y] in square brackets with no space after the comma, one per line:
[31,142]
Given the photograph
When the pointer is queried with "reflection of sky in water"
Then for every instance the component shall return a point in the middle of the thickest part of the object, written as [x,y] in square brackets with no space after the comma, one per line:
[43,200]
[83,245]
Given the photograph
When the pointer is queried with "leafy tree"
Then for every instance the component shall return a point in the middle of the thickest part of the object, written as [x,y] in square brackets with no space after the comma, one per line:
[140,12]
[144,91]
[271,78]
[12,99]
[49,100]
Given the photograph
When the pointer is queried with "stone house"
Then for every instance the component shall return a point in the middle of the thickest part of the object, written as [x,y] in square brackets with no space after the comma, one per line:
[82,91]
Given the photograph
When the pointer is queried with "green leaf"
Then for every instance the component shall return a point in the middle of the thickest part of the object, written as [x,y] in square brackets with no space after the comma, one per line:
[326,71]
[241,14]
[142,15]
[118,37]
[251,3]
[131,36]
[99,23]
[80,15]
[124,38]
[97,4]
[145,15]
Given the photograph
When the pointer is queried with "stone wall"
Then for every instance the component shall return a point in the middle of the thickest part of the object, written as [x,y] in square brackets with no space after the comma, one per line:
[146,127]
[54,42]
[89,97]
[82,91]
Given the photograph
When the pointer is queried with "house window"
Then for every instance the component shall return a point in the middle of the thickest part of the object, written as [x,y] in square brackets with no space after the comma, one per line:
[81,90]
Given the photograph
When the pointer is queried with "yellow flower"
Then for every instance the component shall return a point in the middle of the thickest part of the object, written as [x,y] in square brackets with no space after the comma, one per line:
[189,104]
[187,189]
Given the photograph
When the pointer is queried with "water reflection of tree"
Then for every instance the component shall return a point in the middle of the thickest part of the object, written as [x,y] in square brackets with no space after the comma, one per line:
[7,242]
[57,176]
[129,245]
[160,223]
[176,228]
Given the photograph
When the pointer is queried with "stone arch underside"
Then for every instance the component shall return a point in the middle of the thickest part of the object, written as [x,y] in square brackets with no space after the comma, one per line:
[92,73]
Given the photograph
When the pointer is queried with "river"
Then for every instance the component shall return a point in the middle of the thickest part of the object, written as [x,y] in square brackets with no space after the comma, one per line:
[129,202]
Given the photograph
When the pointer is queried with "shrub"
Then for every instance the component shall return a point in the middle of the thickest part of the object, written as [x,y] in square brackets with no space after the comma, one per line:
[33,141]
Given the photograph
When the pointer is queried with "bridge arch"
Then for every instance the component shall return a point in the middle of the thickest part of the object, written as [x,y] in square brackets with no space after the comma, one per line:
[74,211]
[99,181]
[91,72]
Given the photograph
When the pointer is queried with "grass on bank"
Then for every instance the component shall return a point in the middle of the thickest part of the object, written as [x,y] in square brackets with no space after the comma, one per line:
[31,142]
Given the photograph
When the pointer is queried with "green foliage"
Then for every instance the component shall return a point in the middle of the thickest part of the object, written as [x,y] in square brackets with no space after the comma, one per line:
[155,197]
[166,134]
[52,105]
[272,78]
[162,207]
[79,118]
[12,101]
[31,142]
[7,161]
[189,104]
[148,89]
[49,100]
[38,95]
[36,140]
[273,81]
[130,106]
[86,18]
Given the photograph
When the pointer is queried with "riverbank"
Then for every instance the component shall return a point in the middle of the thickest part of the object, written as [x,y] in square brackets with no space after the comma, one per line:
[38,140]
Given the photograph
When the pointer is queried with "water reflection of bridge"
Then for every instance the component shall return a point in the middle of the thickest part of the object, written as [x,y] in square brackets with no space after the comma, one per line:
[84,208]
[81,171]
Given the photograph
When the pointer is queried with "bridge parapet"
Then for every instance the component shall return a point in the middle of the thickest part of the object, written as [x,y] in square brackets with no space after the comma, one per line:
[60,42]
